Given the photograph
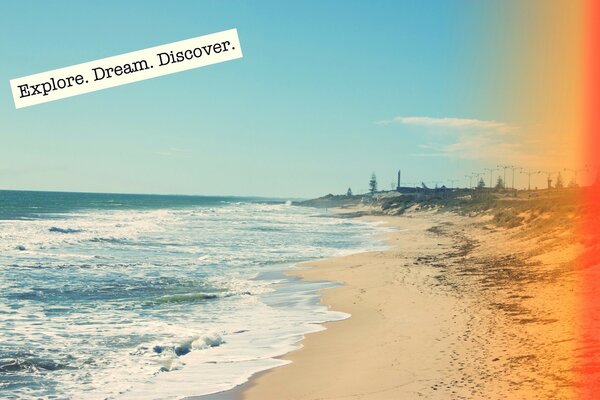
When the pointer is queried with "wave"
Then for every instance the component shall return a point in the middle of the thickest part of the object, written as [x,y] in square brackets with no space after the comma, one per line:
[170,353]
[136,287]
[195,296]
[63,230]
[186,297]
[107,240]
[29,363]
[265,229]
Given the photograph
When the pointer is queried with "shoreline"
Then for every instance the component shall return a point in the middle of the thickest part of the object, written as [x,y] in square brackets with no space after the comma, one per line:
[365,348]
[445,312]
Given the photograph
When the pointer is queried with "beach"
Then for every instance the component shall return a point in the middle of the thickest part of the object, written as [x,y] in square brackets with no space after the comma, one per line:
[255,300]
[458,307]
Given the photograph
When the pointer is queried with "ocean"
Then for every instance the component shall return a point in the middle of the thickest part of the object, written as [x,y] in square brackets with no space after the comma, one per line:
[119,296]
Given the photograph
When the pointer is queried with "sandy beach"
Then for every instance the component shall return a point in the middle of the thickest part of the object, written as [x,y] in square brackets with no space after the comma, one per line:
[456,308]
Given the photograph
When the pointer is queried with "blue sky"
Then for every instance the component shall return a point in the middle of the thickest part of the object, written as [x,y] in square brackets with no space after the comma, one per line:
[316,104]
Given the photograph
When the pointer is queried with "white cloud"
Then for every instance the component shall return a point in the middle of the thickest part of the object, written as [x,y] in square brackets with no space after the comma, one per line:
[489,147]
[472,139]
[489,141]
[452,123]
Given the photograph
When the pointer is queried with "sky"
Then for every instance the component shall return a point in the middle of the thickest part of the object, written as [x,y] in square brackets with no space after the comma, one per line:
[327,93]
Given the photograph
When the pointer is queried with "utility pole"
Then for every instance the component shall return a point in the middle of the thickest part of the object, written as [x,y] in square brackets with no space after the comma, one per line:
[575,172]
[452,182]
[491,172]
[477,175]
[513,175]
[505,167]
[470,178]
[513,168]
[529,173]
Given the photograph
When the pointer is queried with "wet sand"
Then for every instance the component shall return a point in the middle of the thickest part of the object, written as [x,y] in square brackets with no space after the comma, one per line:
[457,308]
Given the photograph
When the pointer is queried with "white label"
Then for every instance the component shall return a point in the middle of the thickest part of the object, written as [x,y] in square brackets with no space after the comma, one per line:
[126,68]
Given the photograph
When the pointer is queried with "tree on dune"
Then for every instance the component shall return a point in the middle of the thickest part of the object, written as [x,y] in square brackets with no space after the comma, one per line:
[499,183]
[480,184]
[373,184]
[559,181]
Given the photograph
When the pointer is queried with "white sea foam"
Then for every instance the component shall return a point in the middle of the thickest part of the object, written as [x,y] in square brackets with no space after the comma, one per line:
[160,304]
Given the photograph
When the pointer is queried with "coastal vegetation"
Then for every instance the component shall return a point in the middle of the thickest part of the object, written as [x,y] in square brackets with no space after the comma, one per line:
[507,208]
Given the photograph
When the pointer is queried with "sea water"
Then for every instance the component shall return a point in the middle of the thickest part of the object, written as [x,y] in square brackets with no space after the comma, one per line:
[113,296]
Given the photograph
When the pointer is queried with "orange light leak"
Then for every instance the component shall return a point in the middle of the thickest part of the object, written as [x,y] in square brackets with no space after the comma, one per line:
[588,359]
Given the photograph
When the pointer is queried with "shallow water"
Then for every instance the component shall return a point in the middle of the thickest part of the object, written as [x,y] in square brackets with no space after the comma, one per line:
[127,296]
